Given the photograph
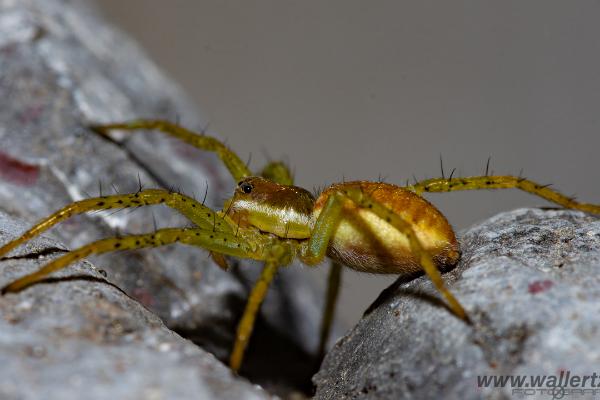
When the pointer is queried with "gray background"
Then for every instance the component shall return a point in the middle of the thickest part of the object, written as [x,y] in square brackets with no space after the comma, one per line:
[360,89]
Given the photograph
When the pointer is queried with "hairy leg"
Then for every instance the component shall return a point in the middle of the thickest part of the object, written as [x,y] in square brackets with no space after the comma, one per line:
[328,220]
[333,288]
[234,164]
[225,243]
[246,324]
[277,171]
[501,182]
[198,213]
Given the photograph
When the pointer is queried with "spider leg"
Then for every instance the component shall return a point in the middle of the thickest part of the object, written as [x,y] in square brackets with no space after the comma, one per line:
[277,171]
[234,164]
[246,324]
[201,215]
[327,222]
[257,296]
[225,243]
[501,182]
[333,288]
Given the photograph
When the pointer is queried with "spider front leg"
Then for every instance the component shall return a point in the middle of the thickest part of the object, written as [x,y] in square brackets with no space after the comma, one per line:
[220,242]
[234,164]
[329,218]
[198,213]
[501,182]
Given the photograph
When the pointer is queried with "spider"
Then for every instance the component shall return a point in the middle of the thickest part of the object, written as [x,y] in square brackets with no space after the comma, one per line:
[368,226]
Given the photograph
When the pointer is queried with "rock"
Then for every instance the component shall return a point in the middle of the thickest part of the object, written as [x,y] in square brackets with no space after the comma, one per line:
[530,283]
[79,336]
[61,68]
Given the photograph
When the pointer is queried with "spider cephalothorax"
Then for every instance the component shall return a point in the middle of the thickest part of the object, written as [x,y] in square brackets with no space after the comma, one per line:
[369,226]
[283,210]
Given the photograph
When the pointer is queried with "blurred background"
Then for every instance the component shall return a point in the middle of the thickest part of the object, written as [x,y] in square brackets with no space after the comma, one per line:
[361,90]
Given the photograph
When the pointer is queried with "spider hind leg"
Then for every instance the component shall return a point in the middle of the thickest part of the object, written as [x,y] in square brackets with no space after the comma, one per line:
[502,182]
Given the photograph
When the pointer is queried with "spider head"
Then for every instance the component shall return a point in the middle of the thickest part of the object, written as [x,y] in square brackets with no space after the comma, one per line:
[282,210]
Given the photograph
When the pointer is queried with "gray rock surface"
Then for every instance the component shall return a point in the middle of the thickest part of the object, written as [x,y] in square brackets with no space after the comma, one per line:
[529,280]
[80,337]
[61,68]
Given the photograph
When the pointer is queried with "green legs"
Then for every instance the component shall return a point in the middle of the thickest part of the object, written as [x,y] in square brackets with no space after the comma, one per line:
[277,171]
[501,182]
[274,171]
[236,167]
[214,233]
[198,213]
[333,288]
[246,324]
[221,242]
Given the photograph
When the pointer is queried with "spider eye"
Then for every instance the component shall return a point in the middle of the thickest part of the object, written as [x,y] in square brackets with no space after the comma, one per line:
[246,187]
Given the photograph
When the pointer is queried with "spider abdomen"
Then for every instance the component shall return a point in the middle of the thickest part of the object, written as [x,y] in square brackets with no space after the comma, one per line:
[365,242]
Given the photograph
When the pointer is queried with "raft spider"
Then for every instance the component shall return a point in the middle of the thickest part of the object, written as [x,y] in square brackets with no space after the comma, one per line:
[368,226]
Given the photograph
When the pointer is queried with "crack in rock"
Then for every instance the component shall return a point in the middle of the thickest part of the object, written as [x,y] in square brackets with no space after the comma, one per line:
[36,254]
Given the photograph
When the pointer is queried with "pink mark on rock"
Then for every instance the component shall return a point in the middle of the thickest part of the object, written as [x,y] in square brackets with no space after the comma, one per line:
[143,296]
[539,286]
[31,114]
[18,172]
